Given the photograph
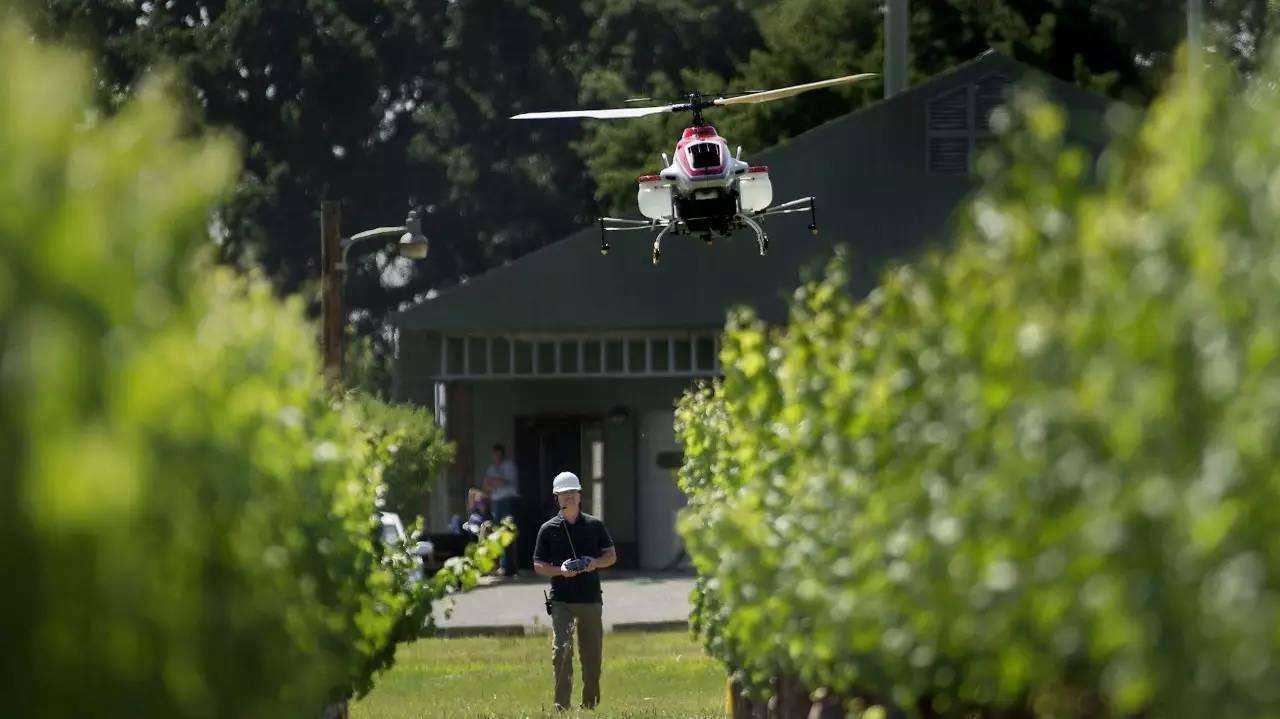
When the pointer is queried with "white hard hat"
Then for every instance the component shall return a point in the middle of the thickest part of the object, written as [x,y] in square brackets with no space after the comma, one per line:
[566,482]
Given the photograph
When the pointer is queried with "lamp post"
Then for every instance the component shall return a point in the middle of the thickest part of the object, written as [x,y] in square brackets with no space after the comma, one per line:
[1195,36]
[334,250]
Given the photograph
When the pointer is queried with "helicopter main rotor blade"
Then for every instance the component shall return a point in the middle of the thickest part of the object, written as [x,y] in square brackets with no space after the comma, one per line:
[611,114]
[769,95]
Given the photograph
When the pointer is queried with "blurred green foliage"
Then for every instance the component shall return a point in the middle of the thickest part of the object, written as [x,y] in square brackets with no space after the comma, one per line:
[366,364]
[1034,473]
[407,446]
[187,514]
[411,606]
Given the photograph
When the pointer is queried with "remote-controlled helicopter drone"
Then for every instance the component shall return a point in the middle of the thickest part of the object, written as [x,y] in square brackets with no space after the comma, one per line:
[704,190]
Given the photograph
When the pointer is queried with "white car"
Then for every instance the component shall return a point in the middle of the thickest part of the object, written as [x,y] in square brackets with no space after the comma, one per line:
[393,535]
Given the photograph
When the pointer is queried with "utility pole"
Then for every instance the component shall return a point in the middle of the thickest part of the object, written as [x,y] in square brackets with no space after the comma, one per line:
[333,272]
[331,276]
[897,60]
[1195,35]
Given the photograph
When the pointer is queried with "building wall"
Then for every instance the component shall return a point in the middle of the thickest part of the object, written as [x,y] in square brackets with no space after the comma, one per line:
[495,405]
[878,193]
[887,178]
[484,412]
[417,354]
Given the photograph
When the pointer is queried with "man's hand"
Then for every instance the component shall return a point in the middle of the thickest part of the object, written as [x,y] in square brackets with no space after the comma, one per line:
[567,570]
[591,564]
[579,565]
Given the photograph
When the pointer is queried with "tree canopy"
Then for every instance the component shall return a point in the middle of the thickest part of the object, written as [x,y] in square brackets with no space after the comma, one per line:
[384,103]
[1122,48]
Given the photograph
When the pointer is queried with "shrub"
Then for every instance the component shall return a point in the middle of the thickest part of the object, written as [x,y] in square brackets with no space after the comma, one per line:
[187,515]
[1035,472]
[407,445]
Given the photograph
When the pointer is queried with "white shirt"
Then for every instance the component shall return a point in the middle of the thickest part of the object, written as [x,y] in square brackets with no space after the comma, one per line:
[507,473]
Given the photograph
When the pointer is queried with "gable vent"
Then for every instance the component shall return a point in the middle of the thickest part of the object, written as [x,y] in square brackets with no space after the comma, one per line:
[959,122]
[989,93]
[949,155]
[950,111]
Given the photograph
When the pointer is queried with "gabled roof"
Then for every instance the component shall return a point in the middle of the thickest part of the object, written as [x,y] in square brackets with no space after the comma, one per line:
[874,193]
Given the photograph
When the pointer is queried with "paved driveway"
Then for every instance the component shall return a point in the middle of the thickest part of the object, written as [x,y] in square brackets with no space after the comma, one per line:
[632,600]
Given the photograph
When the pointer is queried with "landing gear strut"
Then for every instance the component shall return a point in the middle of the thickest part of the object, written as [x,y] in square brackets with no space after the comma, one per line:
[762,239]
[657,244]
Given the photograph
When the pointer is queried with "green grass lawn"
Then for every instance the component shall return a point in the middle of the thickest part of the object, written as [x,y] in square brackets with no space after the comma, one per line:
[658,674]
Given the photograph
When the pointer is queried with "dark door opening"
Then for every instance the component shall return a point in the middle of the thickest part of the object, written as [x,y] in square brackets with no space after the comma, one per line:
[544,448]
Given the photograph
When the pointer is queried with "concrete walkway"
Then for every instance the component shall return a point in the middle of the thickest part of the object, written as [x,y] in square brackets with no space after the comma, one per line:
[632,600]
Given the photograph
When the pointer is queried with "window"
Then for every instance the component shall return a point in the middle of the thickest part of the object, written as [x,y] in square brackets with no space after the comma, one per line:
[706,351]
[546,356]
[523,358]
[592,357]
[569,354]
[502,355]
[704,155]
[660,359]
[959,123]
[682,356]
[477,355]
[637,356]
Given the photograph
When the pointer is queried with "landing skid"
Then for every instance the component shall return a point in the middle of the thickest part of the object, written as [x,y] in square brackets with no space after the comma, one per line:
[677,226]
[657,244]
[762,238]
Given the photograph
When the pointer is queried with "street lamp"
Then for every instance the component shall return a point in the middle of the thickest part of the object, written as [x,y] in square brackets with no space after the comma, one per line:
[413,244]
[334,252]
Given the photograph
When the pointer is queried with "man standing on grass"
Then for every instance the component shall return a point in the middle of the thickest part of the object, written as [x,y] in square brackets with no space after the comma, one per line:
[570,547]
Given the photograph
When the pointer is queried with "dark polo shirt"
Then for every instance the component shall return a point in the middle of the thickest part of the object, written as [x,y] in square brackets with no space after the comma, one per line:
[590,539]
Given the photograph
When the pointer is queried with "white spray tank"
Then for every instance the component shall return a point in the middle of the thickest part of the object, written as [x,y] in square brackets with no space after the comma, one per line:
[654,197]
[755,191]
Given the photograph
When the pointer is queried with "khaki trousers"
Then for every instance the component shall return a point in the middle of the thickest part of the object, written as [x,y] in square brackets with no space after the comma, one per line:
[587,617]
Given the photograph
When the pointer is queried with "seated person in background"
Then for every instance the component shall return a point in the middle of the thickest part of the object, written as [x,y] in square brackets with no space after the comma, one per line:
[477,514]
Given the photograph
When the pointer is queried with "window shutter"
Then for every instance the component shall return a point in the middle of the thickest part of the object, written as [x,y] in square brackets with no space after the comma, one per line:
[990,92]
[959,122]
[948,123]
[949,155]
[950,111]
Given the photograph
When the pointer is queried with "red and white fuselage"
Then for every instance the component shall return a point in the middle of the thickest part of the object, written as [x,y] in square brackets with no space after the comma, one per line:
[704,182]
[704,190]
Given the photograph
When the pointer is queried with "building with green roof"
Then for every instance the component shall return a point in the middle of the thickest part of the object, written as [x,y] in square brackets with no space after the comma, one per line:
[574,360]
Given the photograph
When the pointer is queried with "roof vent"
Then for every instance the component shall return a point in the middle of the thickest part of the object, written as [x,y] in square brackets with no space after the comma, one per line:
[950,111]
[989,93]
[959,120]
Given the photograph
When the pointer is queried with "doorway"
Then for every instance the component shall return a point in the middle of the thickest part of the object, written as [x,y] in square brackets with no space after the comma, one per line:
[660,498]
[544,447]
